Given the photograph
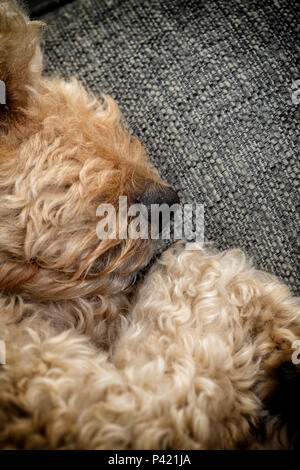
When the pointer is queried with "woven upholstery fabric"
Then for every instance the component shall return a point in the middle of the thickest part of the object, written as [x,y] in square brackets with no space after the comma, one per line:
[207,88]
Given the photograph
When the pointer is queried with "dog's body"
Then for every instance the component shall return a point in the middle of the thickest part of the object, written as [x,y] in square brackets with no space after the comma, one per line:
[192,368]
[193,365]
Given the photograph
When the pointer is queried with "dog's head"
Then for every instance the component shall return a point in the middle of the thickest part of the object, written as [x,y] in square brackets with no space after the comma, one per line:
[62,155]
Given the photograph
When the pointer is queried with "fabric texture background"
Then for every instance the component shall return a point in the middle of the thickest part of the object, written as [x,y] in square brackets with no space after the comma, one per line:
[207,88]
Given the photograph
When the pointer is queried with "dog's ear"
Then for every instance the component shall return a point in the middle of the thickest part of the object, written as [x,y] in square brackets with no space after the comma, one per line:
[20,62]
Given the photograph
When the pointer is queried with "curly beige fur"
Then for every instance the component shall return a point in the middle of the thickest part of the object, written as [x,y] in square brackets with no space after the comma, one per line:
[189,371]
[62,154]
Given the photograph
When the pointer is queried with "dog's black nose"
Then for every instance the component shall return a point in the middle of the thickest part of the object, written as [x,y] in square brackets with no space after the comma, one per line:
[158,194]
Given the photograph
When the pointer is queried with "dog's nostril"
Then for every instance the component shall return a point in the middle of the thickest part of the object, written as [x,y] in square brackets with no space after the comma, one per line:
[158,194]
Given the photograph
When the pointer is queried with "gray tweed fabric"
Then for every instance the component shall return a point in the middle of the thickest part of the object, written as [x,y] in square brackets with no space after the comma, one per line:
[207,87]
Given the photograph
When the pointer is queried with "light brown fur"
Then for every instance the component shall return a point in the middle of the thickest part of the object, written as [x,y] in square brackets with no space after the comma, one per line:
[191,368]
[62,153]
